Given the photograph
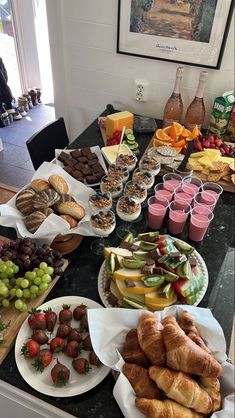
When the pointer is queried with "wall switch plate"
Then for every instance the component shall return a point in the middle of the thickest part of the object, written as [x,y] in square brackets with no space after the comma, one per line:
[141,90]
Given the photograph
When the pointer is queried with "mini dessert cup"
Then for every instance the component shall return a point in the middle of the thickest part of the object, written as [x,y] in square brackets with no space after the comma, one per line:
[178,214]
[128,210]
[115,170]
[171,181]
[150,165]
[135,191]
[126,160]
[200,219]
[144,178]
[100,201]
[213,189]
[113,185]
[157,209]
[103,224]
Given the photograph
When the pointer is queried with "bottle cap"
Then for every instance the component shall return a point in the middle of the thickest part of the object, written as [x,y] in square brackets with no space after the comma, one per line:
[179,72]
[203,75]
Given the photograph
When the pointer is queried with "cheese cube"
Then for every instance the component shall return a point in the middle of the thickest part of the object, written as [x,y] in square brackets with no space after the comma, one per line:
[117,121]
[197,154]
[205,161]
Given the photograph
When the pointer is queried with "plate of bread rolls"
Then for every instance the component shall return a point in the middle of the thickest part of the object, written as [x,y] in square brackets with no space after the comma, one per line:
[172,364]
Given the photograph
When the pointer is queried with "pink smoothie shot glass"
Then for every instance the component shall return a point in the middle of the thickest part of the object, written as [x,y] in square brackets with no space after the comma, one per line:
[200,220]
[178,214]
[213,189]
[160,191]
[184,193]
[205,199]
[193,182]
[156,211]
[171,181]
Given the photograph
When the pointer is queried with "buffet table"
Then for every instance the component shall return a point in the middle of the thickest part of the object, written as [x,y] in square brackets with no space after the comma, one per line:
[80,278]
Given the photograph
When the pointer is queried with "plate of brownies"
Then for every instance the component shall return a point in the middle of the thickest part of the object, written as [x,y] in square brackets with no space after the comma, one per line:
[85,164]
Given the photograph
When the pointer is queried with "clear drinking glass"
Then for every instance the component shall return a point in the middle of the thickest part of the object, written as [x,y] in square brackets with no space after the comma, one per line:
[144,178]
[213,189]
[100,201]
[171,181]
[184,193]
[200,220]
[161,191]
[103,224]
[194,182]
[112,185]
[157,209]
[205,199]
[178,214]
[183,174]
[128,210]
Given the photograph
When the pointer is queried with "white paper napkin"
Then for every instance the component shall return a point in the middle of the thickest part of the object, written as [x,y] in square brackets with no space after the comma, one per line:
[53,224]
[108,328]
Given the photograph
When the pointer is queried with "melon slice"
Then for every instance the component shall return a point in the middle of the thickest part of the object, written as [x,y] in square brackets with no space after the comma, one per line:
[138,289]
[128,274]
[156,302]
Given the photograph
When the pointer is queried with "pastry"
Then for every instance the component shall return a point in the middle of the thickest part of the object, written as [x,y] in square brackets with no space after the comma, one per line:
[188,325]
[181,388]
[212,387]
[63,198]
[184,355]
[45,199]
[24,201]
[150,338]
[47,211]
[132,352]
[73,209]
[153,408]
[72,222]
[34,220]
[139,379]
[39,184]
[58,183]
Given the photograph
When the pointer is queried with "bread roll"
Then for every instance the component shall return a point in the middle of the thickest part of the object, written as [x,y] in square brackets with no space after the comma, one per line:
[45,199]
[63,198]
[39,184]
[34,220]
[24,201]
[59,184]
[47,211]
[73,209]
[72,222]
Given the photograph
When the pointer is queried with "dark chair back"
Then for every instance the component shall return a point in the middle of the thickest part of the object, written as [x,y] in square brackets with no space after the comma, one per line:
[41,146]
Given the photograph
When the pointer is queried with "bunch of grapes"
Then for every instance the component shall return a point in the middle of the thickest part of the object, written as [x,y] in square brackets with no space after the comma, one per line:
[26,255]
[24,288]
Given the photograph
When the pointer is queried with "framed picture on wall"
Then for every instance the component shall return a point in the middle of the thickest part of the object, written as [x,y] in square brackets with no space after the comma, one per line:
[184,31]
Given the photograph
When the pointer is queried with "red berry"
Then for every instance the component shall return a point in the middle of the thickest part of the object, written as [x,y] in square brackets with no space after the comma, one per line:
[30,349]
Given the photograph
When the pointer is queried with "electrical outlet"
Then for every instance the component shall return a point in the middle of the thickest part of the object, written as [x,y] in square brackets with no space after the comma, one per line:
[141,90]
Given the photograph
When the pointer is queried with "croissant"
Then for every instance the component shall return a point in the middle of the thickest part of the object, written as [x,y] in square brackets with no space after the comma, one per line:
[132,353]
[181,388]
[212,387]
[139,379]
[152,408]
[188,325]
[184,355]
[150,338]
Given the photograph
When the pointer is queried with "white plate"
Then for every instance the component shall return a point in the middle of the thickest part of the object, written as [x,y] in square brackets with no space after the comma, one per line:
[42,381]
[103,276]
[96,150]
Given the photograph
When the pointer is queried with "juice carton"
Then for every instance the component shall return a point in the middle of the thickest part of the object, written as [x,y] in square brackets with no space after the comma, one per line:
[221,112]
[230,133]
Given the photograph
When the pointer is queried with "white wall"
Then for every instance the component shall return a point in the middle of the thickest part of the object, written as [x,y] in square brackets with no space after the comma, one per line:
[88,73]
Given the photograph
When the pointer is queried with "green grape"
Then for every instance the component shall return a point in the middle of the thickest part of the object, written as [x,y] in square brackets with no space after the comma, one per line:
[26,293]
[3,275]
[43,265]
[32,296]
[49,270]
[3,290]
[31,275]
[24,308]
[34,289]
[40,292]
[46,278]
[40,272]
[37,281]
[6,293]
[6,282]
[12,281]
[15,268]
[18,281]
[9,263]
[3,268]
[9,271]
[13,292]
[24,283]
[18,304]
[19,293]
[5,303]
[43,287]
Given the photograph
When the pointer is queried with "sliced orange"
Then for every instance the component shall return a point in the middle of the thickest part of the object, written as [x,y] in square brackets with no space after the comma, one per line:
[178,149]
[185,133]
[179,143]
[167,130]
[195,132]
[162,136]
[157,143]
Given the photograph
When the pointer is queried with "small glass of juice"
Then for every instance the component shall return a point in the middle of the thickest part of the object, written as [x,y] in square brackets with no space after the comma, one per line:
[178,214]
[157,209]
[200,219]
[213,189]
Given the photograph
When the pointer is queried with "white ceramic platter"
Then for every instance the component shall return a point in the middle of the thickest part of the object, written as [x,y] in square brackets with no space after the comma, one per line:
[195,256]
[42,381]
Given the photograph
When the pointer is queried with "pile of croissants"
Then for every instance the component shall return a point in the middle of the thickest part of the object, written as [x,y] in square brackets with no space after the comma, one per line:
[171,370]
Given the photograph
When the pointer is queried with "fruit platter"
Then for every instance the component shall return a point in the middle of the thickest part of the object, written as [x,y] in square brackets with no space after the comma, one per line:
[152,271]
[27,275]
[53,349]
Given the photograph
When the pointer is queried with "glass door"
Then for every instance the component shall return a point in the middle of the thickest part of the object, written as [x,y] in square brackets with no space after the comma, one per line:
[8,51]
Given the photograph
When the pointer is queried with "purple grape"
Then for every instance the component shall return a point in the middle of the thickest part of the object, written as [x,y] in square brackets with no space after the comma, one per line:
[28,242]
[58,271]
[27,263]
[27,250]
[24,257]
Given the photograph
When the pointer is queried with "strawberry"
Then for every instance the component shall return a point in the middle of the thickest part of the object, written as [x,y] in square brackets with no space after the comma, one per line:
[63,331]
[65,316]
[79,312]
[94,359]
[51,318]
[57,344]
[84,323]
[74,335]
[30,349]
[86,344]
[40,336]
[37,319]
[81,365]
[60,374]
[72,349]
[43,359]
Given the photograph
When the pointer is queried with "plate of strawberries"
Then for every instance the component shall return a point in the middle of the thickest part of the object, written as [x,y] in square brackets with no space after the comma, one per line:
[53,350]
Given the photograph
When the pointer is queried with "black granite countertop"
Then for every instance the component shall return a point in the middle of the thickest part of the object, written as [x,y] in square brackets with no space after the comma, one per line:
[80,278]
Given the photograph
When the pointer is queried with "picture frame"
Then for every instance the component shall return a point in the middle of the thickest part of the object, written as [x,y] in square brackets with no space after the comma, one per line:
[190,32]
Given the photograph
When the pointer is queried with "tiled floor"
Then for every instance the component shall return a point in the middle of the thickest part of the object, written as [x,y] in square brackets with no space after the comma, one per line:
[15,165]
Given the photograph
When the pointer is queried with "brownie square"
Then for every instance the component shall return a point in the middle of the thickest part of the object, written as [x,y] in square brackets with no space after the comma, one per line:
[80,166]
[97,167]
[92,162]
[86,151]
[63,156]
[68,169]
[92,156]
[82,160]
[76,153]
[86,171]
[91,179]
[77,173]
[81,179]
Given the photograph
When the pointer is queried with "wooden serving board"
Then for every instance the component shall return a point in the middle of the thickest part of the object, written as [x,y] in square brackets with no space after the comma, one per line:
[228,187]
[16,319]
